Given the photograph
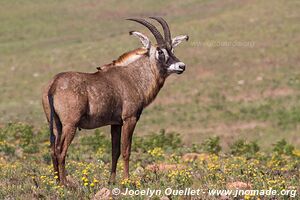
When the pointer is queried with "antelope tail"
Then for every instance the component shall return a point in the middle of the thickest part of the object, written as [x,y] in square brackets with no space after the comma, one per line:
[51,121]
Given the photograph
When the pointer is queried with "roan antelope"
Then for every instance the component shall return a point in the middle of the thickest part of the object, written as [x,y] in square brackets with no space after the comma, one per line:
[114,95]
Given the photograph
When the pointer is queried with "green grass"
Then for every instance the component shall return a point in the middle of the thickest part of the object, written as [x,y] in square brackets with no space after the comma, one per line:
[40,39]
[249,93]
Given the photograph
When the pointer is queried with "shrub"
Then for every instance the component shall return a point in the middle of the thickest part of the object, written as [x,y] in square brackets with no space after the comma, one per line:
[241,147]
[211,145]
[282,147]
[162,140]
[6,148]
[95,141]
[21,134]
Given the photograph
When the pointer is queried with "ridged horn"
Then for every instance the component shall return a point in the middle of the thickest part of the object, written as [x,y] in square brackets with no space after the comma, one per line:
[165,27]
[159,38]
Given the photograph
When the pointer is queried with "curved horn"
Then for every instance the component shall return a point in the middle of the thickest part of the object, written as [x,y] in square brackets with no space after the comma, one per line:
[159,38]
[165,27]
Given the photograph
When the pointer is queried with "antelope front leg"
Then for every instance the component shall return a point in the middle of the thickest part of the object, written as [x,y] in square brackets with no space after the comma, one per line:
[116,145]
[127,131]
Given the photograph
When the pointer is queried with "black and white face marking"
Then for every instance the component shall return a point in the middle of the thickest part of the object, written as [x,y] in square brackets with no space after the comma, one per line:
[169,61]
[177,67]
[162,55]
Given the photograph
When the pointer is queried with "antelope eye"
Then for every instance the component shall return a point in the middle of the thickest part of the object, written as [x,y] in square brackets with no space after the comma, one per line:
[160,55]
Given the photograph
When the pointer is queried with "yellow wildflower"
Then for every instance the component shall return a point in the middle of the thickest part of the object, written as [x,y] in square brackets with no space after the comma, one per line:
[296,152]
[156,152]
[85,172]
[95,181]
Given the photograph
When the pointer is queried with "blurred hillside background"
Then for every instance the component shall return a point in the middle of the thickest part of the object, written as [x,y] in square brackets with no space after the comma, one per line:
[243,62]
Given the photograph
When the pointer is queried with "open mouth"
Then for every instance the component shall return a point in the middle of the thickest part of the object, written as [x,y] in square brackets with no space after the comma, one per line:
[179,72]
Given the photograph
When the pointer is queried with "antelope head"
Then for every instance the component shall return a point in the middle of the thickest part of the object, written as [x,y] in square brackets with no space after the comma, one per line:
[163,52]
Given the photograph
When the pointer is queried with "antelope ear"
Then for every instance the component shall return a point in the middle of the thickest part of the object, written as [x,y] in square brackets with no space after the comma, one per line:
[178,39]
[144,39]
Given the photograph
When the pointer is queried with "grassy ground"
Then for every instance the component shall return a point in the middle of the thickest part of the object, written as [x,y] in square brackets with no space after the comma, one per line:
[246,91]
[242,79]
[159,161]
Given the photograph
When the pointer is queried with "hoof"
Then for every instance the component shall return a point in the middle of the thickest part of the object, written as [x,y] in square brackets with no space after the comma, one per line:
[112,180]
